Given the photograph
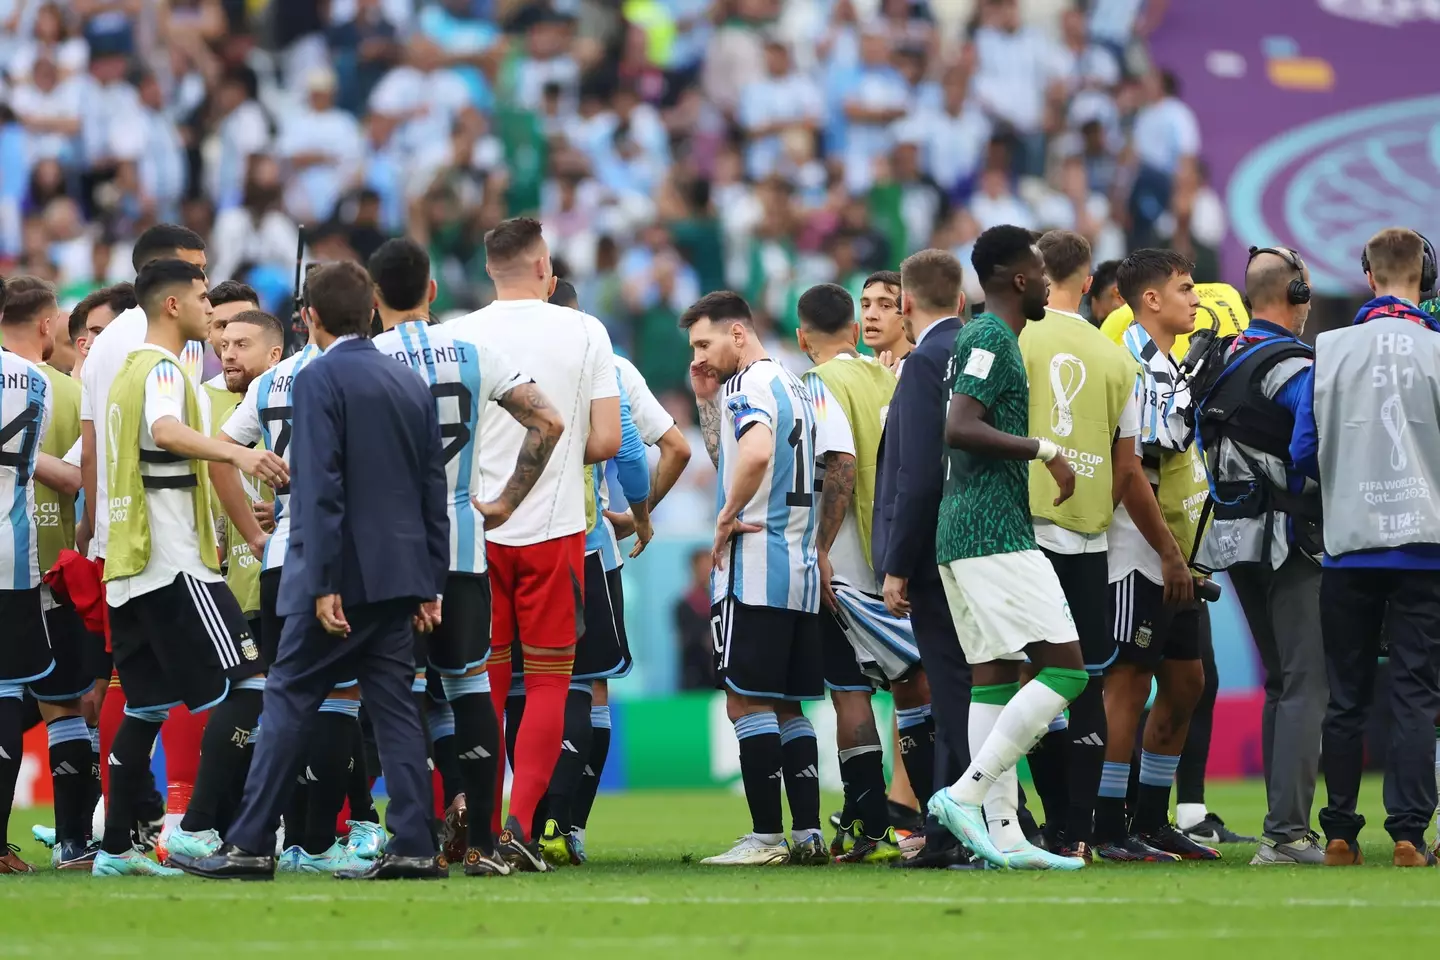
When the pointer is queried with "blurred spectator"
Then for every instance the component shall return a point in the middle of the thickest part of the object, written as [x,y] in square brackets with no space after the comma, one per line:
[693,629]
[421,96]
[240,129]
[996,203]
[781,100]
[1018,69]
[52,38]
[363,48]
[1166,138]
[952,136]
[49,110]
[322,147]
[875,100]
[257,232]
[1195,223]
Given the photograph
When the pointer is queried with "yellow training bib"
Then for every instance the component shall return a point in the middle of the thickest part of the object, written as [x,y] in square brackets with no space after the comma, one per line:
[1221,308]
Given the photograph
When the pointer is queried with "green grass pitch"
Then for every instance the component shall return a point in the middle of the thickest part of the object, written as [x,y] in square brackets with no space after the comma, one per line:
[643,894]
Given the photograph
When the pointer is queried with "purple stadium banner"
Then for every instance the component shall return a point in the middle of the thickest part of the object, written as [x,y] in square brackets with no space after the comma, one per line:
[1320,120]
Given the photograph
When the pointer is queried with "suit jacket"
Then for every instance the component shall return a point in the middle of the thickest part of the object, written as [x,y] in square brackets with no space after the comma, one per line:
[367,484]
[910,474]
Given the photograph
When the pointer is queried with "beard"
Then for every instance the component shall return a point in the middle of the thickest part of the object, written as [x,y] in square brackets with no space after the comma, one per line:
[238,380]
[1034,309]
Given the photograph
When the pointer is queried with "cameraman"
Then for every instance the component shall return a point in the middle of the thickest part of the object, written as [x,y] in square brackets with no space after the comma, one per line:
[1266,534]
[1369,434]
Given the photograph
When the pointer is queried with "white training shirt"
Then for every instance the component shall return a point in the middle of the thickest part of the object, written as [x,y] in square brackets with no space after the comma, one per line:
[266,413]
[775,567]
[174,539]
[833,435]
[107,355]
[26,402]
[569,355]
[463,377]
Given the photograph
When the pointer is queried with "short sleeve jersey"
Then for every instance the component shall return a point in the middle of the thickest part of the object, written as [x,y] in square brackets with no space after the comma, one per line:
[464,378]
[25,410]
[985,508]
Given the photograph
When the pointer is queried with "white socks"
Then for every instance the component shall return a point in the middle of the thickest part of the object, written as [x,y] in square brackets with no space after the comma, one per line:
[1188,815]
[1004,737]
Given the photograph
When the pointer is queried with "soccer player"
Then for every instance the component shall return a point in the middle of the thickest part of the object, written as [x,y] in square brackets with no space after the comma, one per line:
[65,354]
[759,429]
[177,632]
[859,637]
[110,343]
[1156,621]
[50,666]
[230,298]
[1104,294]
[1082,397]
[1003,594]
[93,314]
[882,325]
[536,554]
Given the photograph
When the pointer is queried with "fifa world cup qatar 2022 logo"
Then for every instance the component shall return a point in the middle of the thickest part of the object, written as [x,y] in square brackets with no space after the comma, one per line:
[1327,186]
[1067,377]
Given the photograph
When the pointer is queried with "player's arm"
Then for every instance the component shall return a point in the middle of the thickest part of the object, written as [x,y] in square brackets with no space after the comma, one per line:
[674,458]
[605,437]
[709,415]
[172,436]
[835,445]
[754,451]
[88,479]
[242,429]
[543,427]
[632,469]
[57,474]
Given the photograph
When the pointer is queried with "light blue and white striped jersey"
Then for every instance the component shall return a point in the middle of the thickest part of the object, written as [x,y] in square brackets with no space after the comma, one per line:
[630,471]
[776,567]
[25,406]
[267,414]
[1163,395]
[462,377]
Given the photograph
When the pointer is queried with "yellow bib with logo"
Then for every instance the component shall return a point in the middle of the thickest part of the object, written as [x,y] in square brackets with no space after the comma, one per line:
[1221,309]
[55,512]
[242,570]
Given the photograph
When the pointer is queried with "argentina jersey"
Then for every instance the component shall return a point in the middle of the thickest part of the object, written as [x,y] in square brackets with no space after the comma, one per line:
[462,377]
[1162,395]
[776,567]
[25,405]
[630,471]
[266,414]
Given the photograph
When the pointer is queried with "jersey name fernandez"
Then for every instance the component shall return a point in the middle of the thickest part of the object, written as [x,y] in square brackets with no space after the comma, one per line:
[777,567]
[25,406]
[463,377]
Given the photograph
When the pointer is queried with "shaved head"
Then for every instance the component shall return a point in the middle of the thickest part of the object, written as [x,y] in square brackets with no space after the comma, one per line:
[1267,277]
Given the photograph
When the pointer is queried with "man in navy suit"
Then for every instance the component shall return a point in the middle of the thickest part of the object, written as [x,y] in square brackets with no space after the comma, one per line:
[907,510]
[367,561]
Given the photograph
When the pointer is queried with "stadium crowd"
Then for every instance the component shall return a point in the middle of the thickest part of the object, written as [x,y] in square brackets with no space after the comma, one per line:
[867,535]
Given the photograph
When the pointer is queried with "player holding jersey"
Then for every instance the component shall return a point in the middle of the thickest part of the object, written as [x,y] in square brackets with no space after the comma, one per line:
[759,429]
[863,643]
[464,377]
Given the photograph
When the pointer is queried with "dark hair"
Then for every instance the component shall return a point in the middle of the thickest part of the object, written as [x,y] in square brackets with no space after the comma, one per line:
[890,278]
[1103,276]
[163,240]
[1169,83]
[233,291]
[719,307]
[268,324]
[25,297]
[400,269]
[510,238]
[565,295]
[159,276]
[998,248]
[933,277]
[119,298]
[342,297]
[1066,254]
[826,308]
[1146,269]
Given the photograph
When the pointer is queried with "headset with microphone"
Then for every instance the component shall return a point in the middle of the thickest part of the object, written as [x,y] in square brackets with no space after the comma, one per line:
[1298,291]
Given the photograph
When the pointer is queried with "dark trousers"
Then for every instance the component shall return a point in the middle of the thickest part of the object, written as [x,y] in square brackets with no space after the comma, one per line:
[1283,609]
[1355,606]
[949,676]
[379,653]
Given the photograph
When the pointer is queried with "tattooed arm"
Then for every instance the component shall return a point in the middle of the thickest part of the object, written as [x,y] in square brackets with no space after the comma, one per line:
[543,427]
[707,401]
[836,492]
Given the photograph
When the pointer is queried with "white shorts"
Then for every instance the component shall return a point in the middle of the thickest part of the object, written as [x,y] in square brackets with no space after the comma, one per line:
[1003,603]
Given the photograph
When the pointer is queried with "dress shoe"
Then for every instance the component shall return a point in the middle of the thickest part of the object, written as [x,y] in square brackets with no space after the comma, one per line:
[1343,853]
[1408,855]
[227,863]
[394,867]
[940,856]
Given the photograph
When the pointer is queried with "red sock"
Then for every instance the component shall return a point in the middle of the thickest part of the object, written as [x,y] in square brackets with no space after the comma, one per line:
[112,711]
[342,829]
[498,668]
[537,746]
[182,734]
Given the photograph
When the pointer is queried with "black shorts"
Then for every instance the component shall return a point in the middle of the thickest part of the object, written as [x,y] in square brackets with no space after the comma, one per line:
[767,651]
[25,654]
[70,645]
[603,652]
[462,641]
[1146,630]
[183,643]
[842,669]
[1085,577]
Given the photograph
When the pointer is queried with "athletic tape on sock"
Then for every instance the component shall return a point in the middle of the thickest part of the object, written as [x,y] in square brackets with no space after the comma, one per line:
[996,694]
[600,717]
[65,730]
[350,708]
[250,683]
[912,716]
[457,687]
[794,729]
[1157,769]
[1114,779]
[850,753]
[417,685]
[148,714]
[756,724]
[12,691]
[442,721]
[1068,683]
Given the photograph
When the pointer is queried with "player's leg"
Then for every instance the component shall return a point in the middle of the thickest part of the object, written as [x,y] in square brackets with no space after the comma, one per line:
[501,563]
[915,728]
[595,768]
[364,835]
[803,679]
[996,632]
[313,847]
[72,771]
[1087,591]
[866,813]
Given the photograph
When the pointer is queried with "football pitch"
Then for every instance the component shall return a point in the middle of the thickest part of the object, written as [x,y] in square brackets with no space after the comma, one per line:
[643,893]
